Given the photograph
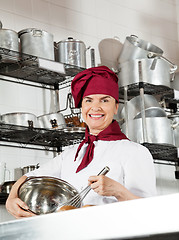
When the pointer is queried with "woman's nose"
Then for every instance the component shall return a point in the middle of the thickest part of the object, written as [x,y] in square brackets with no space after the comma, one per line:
[96,106]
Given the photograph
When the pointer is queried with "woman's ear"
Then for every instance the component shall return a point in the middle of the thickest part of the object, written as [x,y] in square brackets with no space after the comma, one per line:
[116,106]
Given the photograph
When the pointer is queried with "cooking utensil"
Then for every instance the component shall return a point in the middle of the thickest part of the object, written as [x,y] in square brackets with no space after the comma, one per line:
[52,121]
[72,51]
[29,168]
[158,130]
[6,186]
[129,72]
[77,200]
[151,106]
[135,48]
[3,172]
[37,42]
[20,118]
[174,118]
[175,82]
[109,50]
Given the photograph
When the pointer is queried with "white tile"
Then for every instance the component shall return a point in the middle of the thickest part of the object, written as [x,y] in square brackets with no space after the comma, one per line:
[40,10]
[74,21]
[7,19]
[88,7]
[23,7]
[57,15]
[89,25]
[7,5]
[22,23]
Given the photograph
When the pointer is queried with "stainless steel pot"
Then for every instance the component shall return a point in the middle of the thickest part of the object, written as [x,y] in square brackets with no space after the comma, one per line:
[9,39]
[135,48]
[37,42]
[45,194]
[174,118]
[72,51]
[52,121]
[152,108]
[6,186]
[138,70]
[158,130]
[20,118]
[175,82]
[29,168]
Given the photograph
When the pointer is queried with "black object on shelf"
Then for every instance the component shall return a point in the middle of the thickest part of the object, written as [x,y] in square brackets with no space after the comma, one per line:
[3,197]
[39,136]
[165,152]
[133,90]
[26,67]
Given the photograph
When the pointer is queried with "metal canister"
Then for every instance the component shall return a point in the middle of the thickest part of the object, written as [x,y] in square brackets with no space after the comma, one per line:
[9,39]
[37,42]
[72,51]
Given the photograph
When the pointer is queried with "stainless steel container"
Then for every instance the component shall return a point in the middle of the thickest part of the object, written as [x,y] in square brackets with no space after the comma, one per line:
[135,48]
[135,71]
[52,121]
[158,130]
[20,118]
[9,39]
[72,51]
[37,42]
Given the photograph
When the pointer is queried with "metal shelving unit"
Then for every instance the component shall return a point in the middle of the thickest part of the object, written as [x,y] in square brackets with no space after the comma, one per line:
[25,69]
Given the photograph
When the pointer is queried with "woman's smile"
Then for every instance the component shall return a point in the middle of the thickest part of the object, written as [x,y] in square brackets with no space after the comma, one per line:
[98,111]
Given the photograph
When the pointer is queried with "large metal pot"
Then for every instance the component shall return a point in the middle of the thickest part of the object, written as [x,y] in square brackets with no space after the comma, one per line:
[135,48]
[52,121]
[37,42]
[174,118]
[138,70]
[175,82]
[152,108]
[158,130]
[72,51]
[9,39]
[45,194]
[20,118]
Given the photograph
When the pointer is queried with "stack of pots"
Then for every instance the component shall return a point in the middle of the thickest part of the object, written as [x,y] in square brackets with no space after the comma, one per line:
[141,61]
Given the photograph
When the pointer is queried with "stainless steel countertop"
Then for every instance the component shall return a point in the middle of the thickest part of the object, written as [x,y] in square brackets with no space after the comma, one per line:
[4,215]
[122,220]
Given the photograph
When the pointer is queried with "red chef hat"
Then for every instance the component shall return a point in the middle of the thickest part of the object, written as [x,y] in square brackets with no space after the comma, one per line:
[96,80]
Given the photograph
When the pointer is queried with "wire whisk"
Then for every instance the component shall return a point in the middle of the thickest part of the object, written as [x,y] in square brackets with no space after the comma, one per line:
[77,199]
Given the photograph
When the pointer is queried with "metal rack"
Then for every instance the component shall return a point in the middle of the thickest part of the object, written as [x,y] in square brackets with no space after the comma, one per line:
[25,69]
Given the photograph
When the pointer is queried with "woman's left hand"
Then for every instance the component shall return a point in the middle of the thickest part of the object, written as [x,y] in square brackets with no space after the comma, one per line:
[106,186]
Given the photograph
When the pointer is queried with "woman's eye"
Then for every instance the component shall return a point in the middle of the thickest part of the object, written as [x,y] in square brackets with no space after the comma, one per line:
[105,100]
[88,100]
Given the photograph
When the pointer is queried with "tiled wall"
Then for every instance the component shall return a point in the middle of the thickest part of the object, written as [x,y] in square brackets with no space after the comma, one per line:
[156,21]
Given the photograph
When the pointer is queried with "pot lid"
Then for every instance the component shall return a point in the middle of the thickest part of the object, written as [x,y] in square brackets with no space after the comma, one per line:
[28,30]
[70,39]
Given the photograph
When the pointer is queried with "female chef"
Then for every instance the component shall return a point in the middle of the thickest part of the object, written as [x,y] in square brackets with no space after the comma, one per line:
[131,174]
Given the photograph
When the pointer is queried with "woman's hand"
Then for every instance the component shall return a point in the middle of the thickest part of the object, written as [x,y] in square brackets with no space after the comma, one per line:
[15,205]
[105,186]
[18,208]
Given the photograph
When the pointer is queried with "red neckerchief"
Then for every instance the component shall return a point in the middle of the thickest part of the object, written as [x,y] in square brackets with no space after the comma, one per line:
[111,133]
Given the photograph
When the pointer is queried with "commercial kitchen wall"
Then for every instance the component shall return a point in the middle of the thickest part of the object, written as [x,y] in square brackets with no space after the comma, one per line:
[156,21]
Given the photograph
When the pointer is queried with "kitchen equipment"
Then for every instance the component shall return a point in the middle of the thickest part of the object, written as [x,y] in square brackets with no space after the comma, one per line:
[175,82]
[47,194]
[151,105]
[135,48]
[9,39]
[44,194]
[52,121]
[158,130]
[109,50]
[37,42]
[72,51]
[29,168]
[130,72]
[6,186]
[174,118]
[3,172]
[77,200]
[0,25]
[20,118]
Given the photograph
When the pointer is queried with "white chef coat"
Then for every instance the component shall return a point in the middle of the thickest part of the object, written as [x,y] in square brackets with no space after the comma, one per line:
[130,163]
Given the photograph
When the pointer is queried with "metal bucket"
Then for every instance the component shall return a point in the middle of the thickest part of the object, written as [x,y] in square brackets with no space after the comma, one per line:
[135,48]
[72,51]
[158,130]
[37,42]
[135,71]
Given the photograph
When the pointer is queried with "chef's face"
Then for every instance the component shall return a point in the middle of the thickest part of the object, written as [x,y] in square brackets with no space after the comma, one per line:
[98,111]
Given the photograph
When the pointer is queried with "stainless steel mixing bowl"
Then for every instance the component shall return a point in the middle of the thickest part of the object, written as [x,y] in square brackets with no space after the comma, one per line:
[45,194]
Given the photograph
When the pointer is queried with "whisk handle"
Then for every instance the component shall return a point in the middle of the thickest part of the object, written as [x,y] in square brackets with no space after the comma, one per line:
[104,171]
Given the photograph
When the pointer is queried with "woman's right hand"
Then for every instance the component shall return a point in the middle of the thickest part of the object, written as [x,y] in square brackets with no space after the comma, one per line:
[18,208]
[15,205]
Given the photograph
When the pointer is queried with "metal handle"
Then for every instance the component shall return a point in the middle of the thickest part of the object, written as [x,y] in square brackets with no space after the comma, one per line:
[104,171]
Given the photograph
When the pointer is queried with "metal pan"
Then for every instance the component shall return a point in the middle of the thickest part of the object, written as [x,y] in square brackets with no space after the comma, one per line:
[52,121]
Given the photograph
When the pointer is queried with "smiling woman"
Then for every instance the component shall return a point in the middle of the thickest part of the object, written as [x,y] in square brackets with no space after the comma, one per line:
[131,174]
